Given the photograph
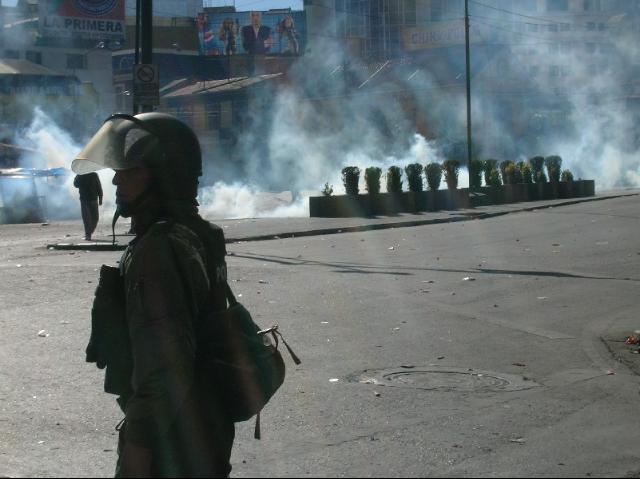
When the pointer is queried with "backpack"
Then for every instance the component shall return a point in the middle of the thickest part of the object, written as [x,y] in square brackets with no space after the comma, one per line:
[241,359]
[244,360]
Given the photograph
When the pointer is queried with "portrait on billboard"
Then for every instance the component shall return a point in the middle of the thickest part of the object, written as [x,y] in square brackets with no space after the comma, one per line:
[288,36]
[253,33]
[228,35]
[256,37]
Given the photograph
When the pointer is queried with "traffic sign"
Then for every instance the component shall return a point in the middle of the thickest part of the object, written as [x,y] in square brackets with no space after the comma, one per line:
[146,85]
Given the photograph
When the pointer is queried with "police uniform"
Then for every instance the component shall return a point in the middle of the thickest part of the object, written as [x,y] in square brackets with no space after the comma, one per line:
[172,276]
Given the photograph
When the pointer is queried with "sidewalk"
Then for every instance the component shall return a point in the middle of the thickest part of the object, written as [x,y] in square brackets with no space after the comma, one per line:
[262,229]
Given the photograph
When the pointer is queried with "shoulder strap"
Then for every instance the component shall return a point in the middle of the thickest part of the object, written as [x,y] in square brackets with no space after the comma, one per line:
[230,296]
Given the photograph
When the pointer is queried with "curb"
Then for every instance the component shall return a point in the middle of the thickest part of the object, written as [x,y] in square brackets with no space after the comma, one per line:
[468,216]
[408,224]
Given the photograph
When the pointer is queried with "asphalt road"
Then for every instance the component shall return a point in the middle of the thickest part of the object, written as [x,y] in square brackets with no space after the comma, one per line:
[408,368]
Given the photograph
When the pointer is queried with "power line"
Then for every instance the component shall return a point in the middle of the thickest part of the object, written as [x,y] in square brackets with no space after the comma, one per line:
[514,13]
[513,32]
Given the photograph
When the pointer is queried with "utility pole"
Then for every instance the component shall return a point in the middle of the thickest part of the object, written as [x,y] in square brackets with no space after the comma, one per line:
[146,40]
[468,56]
[137,47]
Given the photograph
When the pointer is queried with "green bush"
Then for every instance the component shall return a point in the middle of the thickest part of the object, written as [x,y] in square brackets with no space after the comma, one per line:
[372,180]
[451,169]
[554,167]
[433,171]
[488,166]
[510,174]
[567,176]
[475,174]
[327,190]
[527,174]
[494,178]
[394,180]
[350,179]
[537,165]
[414,177]
[503,167]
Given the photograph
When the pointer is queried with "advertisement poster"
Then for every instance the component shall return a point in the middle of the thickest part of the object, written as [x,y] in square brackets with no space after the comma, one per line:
[90,19]
[254,33]
[442,34]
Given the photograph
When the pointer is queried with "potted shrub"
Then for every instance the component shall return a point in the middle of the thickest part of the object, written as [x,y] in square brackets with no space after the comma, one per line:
[454,198]
[414,177]
[489,166]
[350,179]
[513,189]
[433,172]
[529,193]
[372,180]
[567,186]
[451,170]
[414,198]
[508,172]
[475,174]
[526,173]
[554,165]
[537,165]
[393,200]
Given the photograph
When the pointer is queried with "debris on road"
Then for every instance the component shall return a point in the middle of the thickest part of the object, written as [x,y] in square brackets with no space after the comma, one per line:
[468,278]
[518,441]
[633,339]
[334,380]
[520,365]
[611,372]
[43,333]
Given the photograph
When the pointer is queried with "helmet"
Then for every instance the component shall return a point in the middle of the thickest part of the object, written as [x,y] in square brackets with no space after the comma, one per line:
[158,141]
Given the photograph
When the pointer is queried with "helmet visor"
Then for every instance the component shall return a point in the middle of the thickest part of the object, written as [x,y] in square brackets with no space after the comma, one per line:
[109,146]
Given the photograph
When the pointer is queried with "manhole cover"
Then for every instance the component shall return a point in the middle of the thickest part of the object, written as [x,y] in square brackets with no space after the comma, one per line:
[445,379]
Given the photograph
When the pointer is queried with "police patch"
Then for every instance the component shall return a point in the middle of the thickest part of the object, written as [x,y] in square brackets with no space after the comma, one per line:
[96,8]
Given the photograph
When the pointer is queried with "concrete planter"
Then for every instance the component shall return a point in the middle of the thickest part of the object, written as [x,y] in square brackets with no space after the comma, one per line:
[389,204]
[343,206]
[453,199]
[414,202]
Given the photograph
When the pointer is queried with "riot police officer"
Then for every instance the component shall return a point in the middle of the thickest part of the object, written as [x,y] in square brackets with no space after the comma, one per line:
[169,274]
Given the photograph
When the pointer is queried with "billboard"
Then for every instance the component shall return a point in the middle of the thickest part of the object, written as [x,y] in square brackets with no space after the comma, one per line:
[441,34]
[256,33]
[90,19]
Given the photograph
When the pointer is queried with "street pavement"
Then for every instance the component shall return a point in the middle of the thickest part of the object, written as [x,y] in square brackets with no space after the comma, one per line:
[488,347]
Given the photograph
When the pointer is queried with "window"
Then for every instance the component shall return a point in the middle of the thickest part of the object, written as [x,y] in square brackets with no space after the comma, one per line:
[532,27]
[410,12]
[212,112]
[554,71]
[528,5]
[557,5]
[76,61]
[591,48]
[436,10]
[534,70]
[592,5]
[601,27]
[591,26]
[12,54]
[565,27]
[553,27]
[554,48]
[35,57]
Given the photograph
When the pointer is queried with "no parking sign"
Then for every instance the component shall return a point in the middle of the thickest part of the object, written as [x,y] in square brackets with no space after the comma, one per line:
[146,85]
